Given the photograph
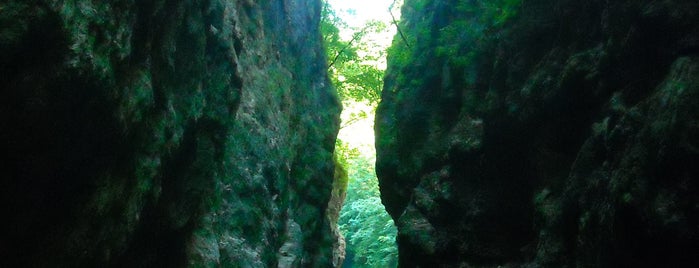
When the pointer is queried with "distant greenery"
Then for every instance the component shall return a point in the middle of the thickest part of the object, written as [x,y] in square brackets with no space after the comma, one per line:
[369,231]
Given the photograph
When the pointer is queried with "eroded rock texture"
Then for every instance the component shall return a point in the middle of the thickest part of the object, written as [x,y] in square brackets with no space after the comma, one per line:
[543,134]
[165,134]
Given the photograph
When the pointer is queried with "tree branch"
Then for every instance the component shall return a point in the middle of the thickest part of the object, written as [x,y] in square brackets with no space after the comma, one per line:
[402,36]
[345,47]
[351,121]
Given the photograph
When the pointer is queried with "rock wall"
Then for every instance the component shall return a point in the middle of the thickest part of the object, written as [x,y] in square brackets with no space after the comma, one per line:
[165,134]
[543,133]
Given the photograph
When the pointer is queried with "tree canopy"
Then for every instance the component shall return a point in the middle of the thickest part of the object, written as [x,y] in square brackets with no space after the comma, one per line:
[351,64]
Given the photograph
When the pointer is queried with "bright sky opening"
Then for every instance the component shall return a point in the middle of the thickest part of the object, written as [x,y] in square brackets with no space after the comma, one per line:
[356,13]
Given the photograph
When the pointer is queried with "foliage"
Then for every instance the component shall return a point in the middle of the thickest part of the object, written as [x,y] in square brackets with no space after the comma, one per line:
[369,231]
[335,48]
[344,152]
[353,71]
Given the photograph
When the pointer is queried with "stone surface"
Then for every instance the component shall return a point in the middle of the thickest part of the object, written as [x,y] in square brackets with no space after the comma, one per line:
[566,135]
[165,134]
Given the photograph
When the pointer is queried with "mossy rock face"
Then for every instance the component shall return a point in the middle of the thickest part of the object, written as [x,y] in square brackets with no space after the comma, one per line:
[542,133]
[165,134]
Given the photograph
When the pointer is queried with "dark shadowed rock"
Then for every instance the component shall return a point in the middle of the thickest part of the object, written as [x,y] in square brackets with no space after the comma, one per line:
[165,134]
[543,134]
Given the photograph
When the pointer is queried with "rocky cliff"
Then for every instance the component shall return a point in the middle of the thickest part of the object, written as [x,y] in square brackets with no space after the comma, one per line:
[165,134]
[543,133]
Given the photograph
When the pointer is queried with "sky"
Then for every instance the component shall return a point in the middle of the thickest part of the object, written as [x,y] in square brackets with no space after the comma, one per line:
[363,10]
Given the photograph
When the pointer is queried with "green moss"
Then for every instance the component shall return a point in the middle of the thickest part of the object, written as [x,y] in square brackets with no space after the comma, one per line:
[97,37]
[340,176]
[627,198]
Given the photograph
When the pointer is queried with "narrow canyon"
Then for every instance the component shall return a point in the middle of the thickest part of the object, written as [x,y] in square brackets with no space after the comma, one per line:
[202,133]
